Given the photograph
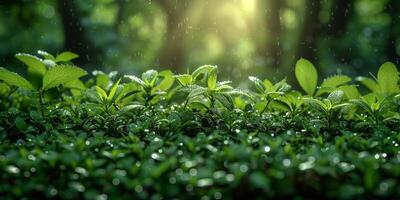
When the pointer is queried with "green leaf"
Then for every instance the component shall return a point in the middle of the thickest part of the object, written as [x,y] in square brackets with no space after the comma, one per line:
[196,92]
[113,90]
[20,124]
[258,83]
[331,83]
[35,64]
[212,79]
[335,81]
[336,96]
[306,75]
[362,104]
[205,69]
[150,77]
[102,80]
[350,91]
[136,80]
[61,74]
[15,79]
[66,56]
[167,80]
[102,94]
[388,78]
[184,79]
[76,86]
[369,83]
[317,104]
[46,55]
[226,100]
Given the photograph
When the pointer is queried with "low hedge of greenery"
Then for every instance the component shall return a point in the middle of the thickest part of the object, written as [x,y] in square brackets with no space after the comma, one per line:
[189,136]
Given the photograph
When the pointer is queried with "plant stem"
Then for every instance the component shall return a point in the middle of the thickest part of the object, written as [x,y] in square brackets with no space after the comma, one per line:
[266,106]
[41,103]
[186,102]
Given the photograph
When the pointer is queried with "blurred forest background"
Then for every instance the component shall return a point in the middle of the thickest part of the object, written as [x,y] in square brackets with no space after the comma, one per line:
[242,37]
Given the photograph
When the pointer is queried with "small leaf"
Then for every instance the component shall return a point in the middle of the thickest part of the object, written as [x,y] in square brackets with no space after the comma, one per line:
[362,104]
[258,83]
[113,90]
[331,83]
[61,74]
[66,56]
[212,79]
[226,100]
[350,91]
[35,64]
[196,92]
[20,124]
[317,104]
[15,79]
[388,78]
[369,83]
[102,94]
[205,69]
[306,75]
[184,79]
[35,116]
[335,81]
[336,96]
[102,79]
[150,77]
[136,80]
[46,55]
[167,80]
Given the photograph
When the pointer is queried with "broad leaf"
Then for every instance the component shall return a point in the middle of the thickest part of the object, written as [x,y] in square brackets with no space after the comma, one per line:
[369,83]
[350,91]
[150,77]
[35,64]
[205,69]
[335,81]
[46,55]
[167,80]
[15,79]
[226,100]
[196,92]
[102,80]
[136,80]
[60,75]
[388,78]
[66,56]
[258,84]
[331,83]
[306,75]
[184,79]
[336,96]
[316,104]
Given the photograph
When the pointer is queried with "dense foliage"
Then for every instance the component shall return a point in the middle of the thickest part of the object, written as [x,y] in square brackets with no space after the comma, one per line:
[189,136]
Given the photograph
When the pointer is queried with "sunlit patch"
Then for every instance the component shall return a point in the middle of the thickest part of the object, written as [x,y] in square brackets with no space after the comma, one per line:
[249,6]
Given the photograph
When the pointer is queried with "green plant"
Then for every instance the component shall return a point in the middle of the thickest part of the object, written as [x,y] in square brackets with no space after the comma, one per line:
[386,82]
[307,77]
[328,108]
[42,75]
[203,83]
[151,87]
[268,92]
